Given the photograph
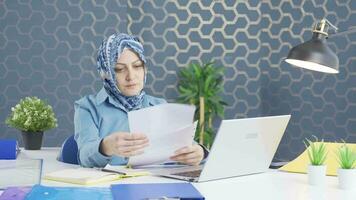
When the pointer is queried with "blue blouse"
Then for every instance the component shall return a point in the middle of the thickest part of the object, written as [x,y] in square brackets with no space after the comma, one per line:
[95,117]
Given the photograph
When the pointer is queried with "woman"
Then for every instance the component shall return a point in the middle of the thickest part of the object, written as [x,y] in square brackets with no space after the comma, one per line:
[101,121]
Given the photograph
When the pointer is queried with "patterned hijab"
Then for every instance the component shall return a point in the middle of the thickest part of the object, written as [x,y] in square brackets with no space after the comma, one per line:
[109,51]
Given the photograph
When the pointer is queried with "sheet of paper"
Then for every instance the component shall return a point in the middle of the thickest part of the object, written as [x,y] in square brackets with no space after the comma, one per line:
[82,176]
[161,118]
[24,172]
[164,145]
[78,173]
[168,127]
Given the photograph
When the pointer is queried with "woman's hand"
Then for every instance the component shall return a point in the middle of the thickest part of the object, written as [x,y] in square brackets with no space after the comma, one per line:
[191,155]
[124,144]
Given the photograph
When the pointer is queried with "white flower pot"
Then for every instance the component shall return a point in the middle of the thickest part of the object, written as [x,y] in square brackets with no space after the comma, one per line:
[316,174]
[347,178]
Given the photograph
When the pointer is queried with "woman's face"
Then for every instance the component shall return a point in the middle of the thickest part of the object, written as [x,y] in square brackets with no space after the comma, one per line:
[130,73]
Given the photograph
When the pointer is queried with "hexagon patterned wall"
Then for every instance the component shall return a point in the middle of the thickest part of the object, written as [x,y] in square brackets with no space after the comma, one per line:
[48,49]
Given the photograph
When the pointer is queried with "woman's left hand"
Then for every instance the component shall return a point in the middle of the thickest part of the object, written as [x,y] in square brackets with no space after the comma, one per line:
[191,155]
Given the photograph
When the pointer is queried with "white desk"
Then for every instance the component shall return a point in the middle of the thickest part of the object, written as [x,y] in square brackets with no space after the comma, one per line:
[271,185]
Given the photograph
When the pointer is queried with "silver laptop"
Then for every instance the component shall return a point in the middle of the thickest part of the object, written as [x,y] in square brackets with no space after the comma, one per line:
[241,147]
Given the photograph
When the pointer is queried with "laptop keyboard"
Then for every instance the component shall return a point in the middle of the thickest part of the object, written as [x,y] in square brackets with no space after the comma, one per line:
[195,173]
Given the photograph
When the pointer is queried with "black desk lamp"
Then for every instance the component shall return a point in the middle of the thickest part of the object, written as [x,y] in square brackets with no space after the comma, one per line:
[315,53]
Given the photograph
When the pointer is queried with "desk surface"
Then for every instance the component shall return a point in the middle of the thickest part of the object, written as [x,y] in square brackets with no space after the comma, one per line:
[270,185]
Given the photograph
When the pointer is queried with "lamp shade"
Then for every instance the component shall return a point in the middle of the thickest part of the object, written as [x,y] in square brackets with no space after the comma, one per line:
[314,55]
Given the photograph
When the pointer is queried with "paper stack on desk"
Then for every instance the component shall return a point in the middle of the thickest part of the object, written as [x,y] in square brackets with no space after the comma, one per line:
[89,176]
[82,176]
[24,172]
[168,127]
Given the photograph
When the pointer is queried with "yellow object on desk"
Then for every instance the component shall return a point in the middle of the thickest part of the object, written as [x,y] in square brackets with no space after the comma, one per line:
[299,165]
[87,176]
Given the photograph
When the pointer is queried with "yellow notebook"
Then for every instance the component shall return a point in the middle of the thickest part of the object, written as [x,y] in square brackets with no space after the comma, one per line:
[82,176]
[299,165]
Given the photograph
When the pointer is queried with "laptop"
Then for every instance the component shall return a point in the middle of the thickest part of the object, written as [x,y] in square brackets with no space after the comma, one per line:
[241,147]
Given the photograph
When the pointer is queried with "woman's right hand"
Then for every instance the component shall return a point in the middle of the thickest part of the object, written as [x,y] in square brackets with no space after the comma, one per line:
[124,144]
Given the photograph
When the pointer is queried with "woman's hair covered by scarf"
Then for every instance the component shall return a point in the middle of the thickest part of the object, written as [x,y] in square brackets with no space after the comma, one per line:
[108,54]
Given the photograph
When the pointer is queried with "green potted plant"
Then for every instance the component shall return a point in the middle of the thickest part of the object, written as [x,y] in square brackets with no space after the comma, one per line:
[201,85]
[32,116]
[317,155]
[347,172]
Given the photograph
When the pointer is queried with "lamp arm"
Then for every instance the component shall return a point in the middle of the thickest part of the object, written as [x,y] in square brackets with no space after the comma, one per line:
[343,32]
[352,30]
[330,24]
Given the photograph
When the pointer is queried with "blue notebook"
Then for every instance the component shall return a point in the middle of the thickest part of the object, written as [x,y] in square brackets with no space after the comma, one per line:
[69,193]
[184,191]
[8,149]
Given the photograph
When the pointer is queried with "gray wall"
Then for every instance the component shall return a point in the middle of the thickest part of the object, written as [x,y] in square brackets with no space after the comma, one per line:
[48,49]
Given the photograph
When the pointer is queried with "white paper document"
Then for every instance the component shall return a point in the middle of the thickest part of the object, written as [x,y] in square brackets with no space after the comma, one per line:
[168,127]
[22,172]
